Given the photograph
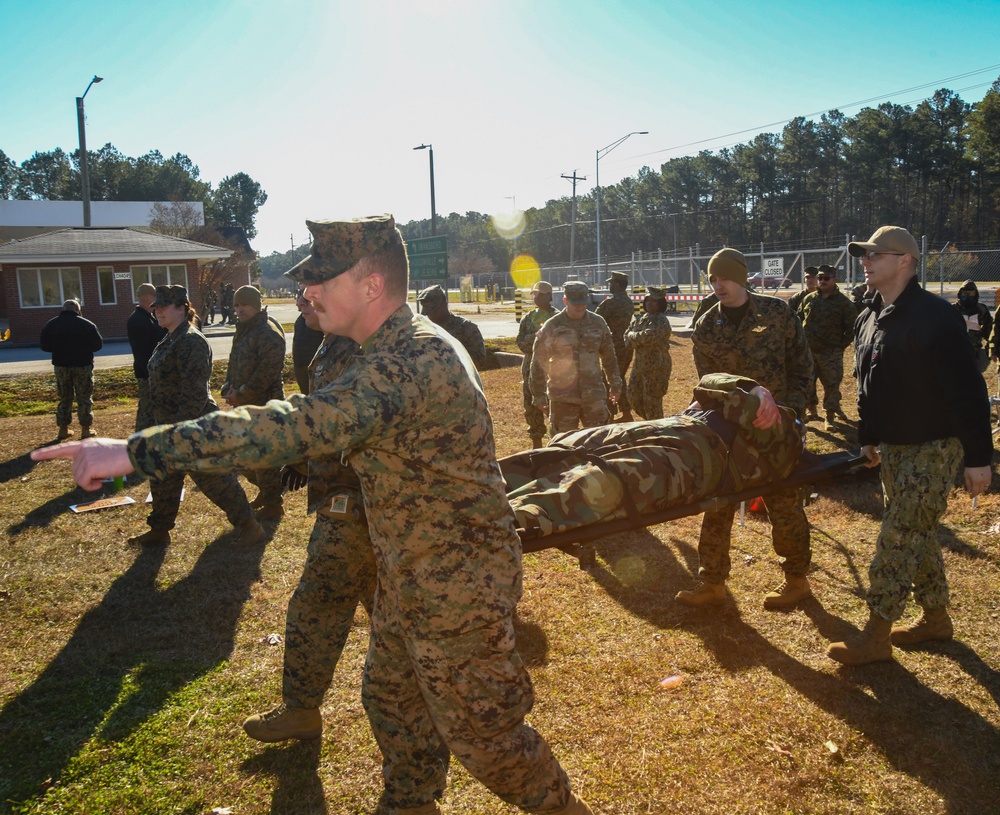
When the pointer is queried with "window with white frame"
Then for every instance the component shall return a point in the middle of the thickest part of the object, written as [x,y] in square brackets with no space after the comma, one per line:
[47,287]
[158,275]
[106,285]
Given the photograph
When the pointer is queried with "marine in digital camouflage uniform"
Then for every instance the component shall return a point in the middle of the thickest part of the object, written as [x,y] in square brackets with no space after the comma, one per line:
[592,475]
[648,335]
[572,357]
[433,303]
[541,293]
[409,416]
[617,311]
[923,408]
[828,316]
[809,278]
[179,373]
[339,573]
[253,377]
[757,337]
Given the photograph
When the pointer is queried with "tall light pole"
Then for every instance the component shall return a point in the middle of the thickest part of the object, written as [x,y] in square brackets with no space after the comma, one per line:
[430,147]
[84,171]
[597,177]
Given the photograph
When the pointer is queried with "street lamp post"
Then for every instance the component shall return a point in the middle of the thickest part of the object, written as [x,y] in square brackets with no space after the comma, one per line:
[84,171]
[430,147]
[601,154]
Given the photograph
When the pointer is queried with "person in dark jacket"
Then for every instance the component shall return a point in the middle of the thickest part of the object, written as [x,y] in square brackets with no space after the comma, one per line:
[922,408]
[143,335]
[72,341]
[305,342]
[978,322]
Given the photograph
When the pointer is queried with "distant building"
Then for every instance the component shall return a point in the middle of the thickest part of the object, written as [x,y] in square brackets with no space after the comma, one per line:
[101,267]
[22,219]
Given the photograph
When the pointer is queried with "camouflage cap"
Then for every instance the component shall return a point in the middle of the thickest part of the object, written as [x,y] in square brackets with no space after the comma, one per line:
[657,293]
[811,271]
[826,268]
[432,296]
[171,296]
[577,293]
[338,245]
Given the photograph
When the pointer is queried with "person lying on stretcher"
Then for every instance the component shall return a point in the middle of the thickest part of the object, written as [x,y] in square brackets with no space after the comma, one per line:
[619,470]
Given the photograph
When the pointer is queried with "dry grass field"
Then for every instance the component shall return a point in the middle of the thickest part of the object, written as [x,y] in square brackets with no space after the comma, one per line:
[125,674]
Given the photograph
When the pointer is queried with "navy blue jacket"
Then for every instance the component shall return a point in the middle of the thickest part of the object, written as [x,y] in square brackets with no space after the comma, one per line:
[71,340]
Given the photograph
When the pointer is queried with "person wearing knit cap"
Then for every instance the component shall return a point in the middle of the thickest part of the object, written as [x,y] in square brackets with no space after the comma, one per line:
[756,336]
[923,413]
[254,377]
[143,335]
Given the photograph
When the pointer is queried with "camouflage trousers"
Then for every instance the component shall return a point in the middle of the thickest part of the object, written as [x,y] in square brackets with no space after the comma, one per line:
[222,490]
[268,482]
[465,695]
[532,415]
[829,369]
[144,413]
[339,572]
[565,416]
[789,537]
[916,481]
[75,383]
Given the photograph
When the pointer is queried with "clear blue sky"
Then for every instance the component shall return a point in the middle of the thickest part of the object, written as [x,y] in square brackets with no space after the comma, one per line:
[322,101]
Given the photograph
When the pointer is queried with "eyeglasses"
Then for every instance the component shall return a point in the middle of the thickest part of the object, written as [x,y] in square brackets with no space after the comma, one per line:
[823,277]
[872,255]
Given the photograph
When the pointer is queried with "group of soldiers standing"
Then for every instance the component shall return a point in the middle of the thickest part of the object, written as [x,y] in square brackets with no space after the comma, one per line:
[402,471]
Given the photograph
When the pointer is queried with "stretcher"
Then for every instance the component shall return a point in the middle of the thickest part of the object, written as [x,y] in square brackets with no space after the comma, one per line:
[578,542]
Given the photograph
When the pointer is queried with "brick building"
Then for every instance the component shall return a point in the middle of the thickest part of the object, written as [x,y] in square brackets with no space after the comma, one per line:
[101,267]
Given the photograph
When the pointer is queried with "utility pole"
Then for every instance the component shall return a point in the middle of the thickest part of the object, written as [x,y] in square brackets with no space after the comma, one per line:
[572,223]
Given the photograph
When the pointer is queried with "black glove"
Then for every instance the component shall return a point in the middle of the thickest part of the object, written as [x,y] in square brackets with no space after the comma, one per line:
[292,478]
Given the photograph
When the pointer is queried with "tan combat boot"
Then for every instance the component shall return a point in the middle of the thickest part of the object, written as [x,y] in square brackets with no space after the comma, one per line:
[64,432]
[283,723]
[251,532]
[794,590]
[828,421]
[86,432]
[871,645]
[576,806]
[934,624]
[704,594]
[154,537]
[424,809]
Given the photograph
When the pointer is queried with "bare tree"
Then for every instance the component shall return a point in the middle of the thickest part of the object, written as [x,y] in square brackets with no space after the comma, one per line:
[179,219]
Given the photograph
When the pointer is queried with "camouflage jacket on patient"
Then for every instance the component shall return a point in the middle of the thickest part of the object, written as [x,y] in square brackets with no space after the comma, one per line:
[603,473]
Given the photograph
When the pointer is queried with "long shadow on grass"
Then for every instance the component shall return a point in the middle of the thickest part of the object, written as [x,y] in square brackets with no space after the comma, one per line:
[44,514]
[296,767]
[15,468]
[124,660]
[932,738]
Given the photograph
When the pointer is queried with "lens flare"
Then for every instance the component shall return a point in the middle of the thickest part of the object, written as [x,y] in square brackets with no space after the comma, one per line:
[525,271]
[509,225]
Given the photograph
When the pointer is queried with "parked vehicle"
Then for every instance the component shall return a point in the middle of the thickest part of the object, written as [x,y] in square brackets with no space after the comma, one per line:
[769,282]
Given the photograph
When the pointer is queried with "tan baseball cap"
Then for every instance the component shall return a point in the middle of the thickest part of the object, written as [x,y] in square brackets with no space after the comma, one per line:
[543,286]
[886,239]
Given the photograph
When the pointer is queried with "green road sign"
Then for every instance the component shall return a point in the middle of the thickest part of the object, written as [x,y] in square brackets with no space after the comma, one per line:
[428,257]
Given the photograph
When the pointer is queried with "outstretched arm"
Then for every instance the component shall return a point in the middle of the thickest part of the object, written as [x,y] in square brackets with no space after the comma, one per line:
[93,459]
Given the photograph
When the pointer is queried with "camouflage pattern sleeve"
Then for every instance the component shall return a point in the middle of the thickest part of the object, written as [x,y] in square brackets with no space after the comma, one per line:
[539,374]
[179,373]
[468,333]
[828,322]
[410,416]
[528,328]
[609,361]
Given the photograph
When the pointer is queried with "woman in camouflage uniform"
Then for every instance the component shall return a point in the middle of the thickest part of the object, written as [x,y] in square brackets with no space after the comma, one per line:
[179,371]
[649,336]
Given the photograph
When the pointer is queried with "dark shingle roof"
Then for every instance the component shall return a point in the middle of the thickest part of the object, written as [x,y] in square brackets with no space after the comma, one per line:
[104,244]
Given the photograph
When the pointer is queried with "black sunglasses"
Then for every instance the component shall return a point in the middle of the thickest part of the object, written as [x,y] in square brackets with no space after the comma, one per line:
[822,277]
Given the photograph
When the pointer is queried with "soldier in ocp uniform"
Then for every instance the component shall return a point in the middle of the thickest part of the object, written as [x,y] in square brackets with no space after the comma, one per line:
[757,337]
[828,316]
[617,311]
[443,676]
[179,373]
[710,448]
[527,329]
[573,356]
